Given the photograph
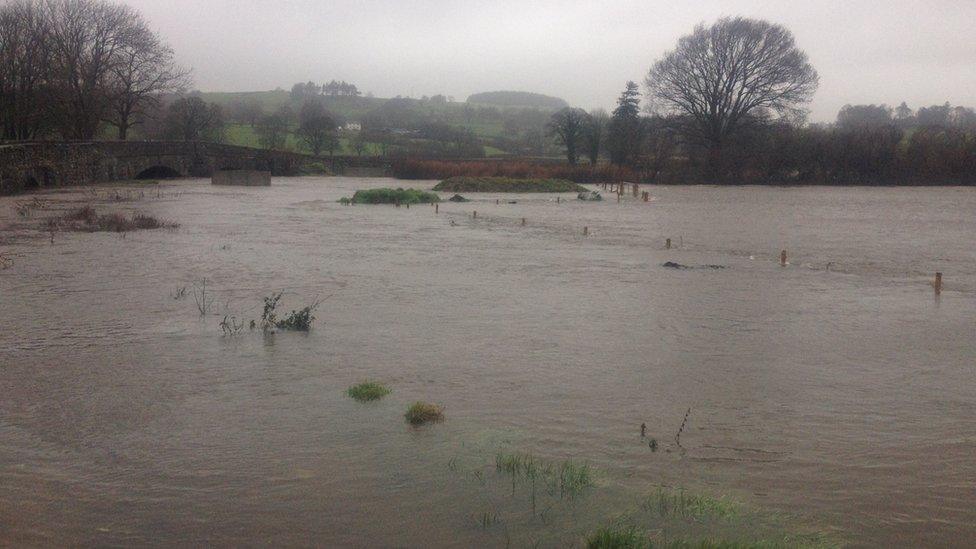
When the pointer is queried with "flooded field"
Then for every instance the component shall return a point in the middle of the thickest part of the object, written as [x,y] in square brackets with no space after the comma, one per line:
[833,399]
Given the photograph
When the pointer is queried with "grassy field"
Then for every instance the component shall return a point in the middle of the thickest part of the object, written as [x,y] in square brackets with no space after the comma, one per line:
[246,136]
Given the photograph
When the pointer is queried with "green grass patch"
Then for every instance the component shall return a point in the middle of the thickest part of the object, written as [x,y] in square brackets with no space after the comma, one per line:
[420,413]
[507,185]
[677,503]
[617,536]
[392,196]
[367,391]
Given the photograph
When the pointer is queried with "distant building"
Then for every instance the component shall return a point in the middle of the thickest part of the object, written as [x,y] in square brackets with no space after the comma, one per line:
[353,127]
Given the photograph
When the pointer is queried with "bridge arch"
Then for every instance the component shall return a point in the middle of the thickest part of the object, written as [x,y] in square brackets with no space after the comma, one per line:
[158,172]
[30,183]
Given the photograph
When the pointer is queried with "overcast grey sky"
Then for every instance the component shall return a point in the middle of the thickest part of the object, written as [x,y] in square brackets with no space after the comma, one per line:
[582,51]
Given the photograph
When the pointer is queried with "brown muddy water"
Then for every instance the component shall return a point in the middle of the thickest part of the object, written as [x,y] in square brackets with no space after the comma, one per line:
[842,398]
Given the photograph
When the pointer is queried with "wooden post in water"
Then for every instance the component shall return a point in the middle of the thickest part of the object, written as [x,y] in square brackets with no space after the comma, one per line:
[938,283]
[782,258]
[408,205]
[476,214]
[437,208]
[586,231]
[667,245]
[496,201]
[636,189]
[559,199]
[523,221]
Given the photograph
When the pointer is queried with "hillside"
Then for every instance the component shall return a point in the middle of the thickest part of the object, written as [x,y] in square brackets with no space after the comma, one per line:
[518,99]
[428,126]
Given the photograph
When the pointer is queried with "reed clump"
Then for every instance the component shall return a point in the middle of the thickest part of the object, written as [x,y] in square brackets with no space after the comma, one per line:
[670,503]
[86,219]
[368,391]
[617,536]
[566,479]
[420,413]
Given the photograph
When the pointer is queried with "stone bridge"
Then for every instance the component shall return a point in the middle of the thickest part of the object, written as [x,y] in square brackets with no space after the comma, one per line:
[33,165]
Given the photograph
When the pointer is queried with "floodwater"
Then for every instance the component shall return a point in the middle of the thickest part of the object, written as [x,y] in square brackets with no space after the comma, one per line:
[839,390]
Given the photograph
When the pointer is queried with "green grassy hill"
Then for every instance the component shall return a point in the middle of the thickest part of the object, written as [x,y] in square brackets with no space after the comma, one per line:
[417,124]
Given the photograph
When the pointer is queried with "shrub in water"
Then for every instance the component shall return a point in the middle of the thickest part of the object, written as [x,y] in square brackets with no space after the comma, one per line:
[367,391]
[392,196]
[299,321]
[420,413]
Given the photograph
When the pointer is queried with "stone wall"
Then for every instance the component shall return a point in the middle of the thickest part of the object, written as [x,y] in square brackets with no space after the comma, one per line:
[243,178]
[25,166]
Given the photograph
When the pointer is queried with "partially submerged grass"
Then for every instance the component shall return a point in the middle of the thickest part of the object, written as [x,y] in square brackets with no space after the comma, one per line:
[618,536]
[392,196]
[367,391]
[566,479]
[571,506]
[507,185]
[86,219]
[671,503]
[420,413]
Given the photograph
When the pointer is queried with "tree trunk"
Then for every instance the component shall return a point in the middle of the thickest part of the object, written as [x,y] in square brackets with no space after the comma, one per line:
[715,158]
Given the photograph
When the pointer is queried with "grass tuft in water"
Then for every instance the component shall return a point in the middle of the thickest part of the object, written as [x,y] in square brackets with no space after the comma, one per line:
[574,478]
[681,504]
[567,479]
[367,391]
[420,413]
[617,536]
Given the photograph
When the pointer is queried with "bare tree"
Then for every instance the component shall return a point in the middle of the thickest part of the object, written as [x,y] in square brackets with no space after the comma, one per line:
[70,65]
[24,71]
[316,128]
[596,132]
[732,72]
[192,119]
[569,127]
[144,70]
[657,145]
[251,110]
[273,129]
[86,39]
[359,143]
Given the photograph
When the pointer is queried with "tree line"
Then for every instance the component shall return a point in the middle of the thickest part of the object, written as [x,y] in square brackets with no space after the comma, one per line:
[69,66]
[306,90]
[726,105]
